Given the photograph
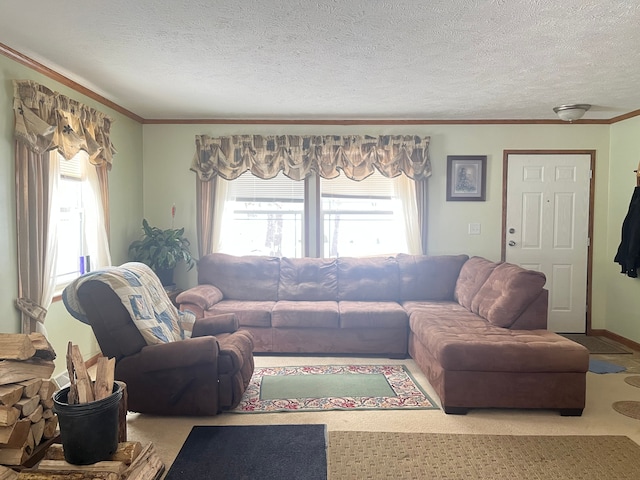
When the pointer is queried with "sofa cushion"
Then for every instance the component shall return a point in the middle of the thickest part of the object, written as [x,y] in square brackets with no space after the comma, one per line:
[250,277]
[308,279]
[508,291]
[249,313]
[473,274]
[481,347]
[425,277]
[368,279]
[303,314]
[372,315]
[446,310]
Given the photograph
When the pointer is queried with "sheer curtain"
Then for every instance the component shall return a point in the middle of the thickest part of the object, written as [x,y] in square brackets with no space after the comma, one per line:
[405,191]
[48,123]
[95,230]
[222,193]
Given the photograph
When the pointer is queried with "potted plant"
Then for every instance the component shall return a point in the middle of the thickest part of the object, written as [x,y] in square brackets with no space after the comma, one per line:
[162,250]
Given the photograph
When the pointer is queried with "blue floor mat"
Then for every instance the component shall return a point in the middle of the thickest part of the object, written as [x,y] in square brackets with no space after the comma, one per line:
[600,366]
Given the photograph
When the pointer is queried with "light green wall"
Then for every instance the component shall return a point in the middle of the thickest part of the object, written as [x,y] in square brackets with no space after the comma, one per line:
[622,292]
[125,190]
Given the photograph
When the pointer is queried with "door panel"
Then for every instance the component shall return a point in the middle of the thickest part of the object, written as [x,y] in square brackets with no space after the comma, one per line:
[547,228]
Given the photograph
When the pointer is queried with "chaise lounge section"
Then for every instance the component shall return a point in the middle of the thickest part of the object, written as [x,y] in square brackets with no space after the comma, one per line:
[476,328]
[490,347]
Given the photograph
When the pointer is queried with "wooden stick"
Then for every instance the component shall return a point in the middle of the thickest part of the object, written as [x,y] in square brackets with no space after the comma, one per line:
[104,377]
[72,396]
[83,381]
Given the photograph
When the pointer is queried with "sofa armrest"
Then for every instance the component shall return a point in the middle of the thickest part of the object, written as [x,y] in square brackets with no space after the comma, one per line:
[216,324]
[204,296]
[179,354]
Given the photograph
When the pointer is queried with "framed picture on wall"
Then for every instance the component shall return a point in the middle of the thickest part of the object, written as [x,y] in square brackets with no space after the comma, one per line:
[466,178]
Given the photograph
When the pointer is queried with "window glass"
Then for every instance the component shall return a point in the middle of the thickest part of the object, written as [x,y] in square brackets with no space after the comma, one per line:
[71,220]
[263,217]
[361,218]
[266,217]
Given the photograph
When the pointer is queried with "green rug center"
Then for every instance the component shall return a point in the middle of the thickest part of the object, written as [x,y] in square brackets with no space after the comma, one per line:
[322,386]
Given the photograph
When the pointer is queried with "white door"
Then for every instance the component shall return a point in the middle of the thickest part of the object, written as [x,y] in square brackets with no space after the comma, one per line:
[547,228]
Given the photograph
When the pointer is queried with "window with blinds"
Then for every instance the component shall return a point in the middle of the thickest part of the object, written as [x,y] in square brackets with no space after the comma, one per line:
[263,217]
[360,218]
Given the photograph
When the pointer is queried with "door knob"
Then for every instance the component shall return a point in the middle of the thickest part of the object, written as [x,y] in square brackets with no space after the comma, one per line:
[512,243]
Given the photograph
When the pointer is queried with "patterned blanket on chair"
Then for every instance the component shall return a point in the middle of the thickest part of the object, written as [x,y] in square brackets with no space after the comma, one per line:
[144,297]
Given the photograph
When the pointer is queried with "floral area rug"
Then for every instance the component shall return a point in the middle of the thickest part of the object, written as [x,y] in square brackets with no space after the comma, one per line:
[332,387]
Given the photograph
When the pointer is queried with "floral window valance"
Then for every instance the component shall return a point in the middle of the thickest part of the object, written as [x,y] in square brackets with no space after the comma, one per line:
[298,156]
[47,120]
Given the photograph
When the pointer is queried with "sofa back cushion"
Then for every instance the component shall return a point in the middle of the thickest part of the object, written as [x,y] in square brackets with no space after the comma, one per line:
[508,291]
[473,274]
[249,277]
[368,279]
[312,279]
[425,277]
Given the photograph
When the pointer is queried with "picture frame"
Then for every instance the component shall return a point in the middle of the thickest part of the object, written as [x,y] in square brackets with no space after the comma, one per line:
[466,178]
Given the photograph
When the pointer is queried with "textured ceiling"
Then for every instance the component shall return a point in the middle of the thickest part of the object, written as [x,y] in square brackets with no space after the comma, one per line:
[339,59]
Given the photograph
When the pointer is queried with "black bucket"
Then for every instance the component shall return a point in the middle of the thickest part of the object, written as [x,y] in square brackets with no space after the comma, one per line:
[89,431]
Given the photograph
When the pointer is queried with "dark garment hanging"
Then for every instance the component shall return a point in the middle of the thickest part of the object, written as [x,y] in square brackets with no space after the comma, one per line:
[628,255]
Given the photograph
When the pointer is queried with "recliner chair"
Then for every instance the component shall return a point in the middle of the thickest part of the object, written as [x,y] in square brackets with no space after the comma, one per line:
[201,375]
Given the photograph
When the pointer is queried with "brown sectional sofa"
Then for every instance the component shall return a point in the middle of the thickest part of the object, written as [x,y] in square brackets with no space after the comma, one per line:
[476,328]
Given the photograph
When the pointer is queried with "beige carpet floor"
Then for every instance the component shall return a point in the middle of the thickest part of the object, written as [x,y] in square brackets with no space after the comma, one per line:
[444,456]
[599,418]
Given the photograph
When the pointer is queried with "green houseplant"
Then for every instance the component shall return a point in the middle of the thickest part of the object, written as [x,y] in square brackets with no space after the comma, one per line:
[162,250]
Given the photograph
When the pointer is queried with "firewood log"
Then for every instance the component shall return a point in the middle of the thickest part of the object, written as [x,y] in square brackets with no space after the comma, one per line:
[146,466]
[126,453]
[13,456]
[7,473]
[39,475]
[16,346]
[10,394]
[47,389]
[62,466]
[36,415]
[50,427]
[31,387]
[43,348]
[8,415]
[15,435]
[72,396]
[12,371]
[103,386]
[27,405]
[83,381]
[37,430]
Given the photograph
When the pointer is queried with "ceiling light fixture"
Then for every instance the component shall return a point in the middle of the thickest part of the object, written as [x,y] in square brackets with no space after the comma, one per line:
[570,113]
